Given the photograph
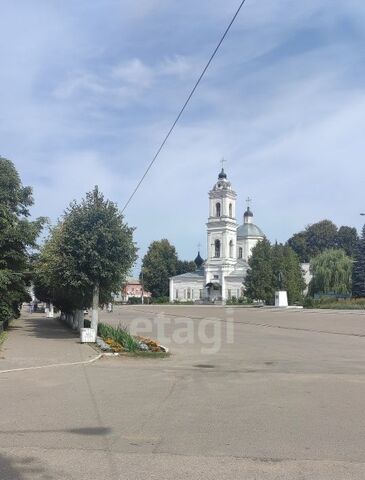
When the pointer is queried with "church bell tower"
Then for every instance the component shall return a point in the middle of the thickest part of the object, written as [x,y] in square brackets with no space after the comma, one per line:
[221,236]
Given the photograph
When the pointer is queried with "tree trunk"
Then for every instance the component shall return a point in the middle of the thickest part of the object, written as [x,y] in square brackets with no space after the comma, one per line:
[75,322]
[80,319]
[95,308]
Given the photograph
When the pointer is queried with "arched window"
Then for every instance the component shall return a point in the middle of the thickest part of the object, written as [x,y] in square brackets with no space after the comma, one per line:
[217,209]
[217,248]
[240,252]
[231,248]
[230,210]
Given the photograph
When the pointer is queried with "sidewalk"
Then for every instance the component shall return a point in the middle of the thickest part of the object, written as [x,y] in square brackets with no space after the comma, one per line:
[34,340]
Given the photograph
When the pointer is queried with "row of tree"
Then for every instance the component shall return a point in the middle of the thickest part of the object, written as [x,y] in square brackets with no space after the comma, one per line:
[84,260]
[333,270]
[86,256]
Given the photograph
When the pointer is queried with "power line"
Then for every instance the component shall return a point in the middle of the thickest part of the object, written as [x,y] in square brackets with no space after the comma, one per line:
[184,106]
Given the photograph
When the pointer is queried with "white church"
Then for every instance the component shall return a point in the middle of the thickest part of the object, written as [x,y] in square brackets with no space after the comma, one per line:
[229,247]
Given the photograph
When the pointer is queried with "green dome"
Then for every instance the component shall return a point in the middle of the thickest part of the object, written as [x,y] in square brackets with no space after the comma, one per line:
[249,230]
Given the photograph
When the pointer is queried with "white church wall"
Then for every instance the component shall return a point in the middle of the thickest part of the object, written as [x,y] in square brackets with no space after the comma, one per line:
[233,288]
[187,290]
[248,245]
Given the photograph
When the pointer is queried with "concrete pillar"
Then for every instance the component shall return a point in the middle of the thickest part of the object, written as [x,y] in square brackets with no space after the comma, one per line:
[171,289]
[223,289]
[281,299]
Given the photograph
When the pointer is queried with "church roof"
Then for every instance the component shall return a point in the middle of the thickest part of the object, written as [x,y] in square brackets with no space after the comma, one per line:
[198,261]
[249,230]
[196,274]
[222,174]
[248,213]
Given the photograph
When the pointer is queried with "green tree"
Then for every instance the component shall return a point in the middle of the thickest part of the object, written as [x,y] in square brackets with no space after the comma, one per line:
[285,262]
[158,265]
[358,272]
[90,252]
[17,240]
[260,279]
[348,239]
[293,275]
[321,236]
[298,242]
[331,273]
[184,266]
[273,268]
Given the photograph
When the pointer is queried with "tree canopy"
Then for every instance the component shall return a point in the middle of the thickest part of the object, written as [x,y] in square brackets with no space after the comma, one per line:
[322,236]
[358,273]
[18,237]
[91,245]
[267,264]
[159,264]
[331,273]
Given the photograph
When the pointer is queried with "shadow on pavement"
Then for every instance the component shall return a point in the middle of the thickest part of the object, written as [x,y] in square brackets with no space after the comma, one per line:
[46,328]
[20,468]
[76,431]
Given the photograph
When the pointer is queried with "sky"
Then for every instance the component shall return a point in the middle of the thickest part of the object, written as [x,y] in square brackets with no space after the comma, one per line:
[90,88]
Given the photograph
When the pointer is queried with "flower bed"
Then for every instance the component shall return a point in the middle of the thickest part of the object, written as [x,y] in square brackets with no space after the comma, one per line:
[120,340]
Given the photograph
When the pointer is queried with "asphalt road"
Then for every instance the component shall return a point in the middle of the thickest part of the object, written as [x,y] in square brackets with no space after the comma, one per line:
[246,394]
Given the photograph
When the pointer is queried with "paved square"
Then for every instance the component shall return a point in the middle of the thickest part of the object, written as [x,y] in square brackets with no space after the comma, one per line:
[285,400]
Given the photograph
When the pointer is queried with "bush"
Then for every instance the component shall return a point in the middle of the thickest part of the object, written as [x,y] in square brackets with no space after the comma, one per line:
[239,301]
[134,300]
[335,304]
[160,300]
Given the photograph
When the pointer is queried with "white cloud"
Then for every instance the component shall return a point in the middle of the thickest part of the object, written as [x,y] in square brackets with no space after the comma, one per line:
[82,105]
[134,72]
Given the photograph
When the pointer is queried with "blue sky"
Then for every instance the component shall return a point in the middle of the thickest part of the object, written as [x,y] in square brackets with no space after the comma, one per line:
[89,89]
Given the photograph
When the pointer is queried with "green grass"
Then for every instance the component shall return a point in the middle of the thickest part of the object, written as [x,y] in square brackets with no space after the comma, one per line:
[119,334]
[3,337]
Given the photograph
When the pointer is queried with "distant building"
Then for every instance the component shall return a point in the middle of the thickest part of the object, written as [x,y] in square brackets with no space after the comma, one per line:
[229,247]
[132,289]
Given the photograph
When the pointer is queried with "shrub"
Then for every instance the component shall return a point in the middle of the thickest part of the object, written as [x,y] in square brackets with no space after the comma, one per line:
[335,304]
[160,300]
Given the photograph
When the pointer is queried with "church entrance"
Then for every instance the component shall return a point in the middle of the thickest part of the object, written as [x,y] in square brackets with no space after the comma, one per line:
[214,291]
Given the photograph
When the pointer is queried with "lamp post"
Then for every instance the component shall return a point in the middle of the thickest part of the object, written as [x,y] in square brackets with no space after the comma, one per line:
[142,298]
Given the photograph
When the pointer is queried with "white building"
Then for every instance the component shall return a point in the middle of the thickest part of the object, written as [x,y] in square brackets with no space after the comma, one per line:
[229,247]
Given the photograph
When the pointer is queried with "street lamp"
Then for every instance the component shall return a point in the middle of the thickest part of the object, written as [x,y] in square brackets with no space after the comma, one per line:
[142,285]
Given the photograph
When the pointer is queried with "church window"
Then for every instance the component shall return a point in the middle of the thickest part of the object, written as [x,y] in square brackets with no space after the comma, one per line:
[200,294]
[240,252]
[215,277]
[229,294]
[189,293]
[230,210]
[217,248]
[231,248]
[177,294]
[218,209]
